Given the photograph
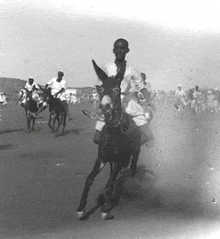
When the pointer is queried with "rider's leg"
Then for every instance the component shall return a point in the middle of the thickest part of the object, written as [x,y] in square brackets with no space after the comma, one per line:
[146,134]
[98,127]
[43,106]
[96,137]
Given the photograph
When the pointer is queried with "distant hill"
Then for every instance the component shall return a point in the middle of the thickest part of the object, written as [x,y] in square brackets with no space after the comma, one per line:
[11,86]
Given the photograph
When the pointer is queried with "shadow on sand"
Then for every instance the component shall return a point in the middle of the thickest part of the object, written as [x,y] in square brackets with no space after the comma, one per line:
[7,146]
[8,131]
[127,188]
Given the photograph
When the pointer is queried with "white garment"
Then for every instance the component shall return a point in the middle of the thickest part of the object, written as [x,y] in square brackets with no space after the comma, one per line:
[36,97]
[132,82]
[30,87]
[23,96]
[56,87]
[3,99]
[196,94]
[137,112]
[180,94]
[132,78]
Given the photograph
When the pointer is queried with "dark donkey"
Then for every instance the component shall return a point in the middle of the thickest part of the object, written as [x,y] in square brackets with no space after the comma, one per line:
[120,141]
[57,113]
[31,109]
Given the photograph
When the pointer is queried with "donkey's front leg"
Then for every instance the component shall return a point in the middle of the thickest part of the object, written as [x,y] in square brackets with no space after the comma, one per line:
[33,123]
[49,121]
[28,124]
[134,159]
[54,122]
[89,181]
[108,193]
[59,123]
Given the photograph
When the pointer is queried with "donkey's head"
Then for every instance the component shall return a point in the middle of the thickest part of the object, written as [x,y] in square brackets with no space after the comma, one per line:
[109,93]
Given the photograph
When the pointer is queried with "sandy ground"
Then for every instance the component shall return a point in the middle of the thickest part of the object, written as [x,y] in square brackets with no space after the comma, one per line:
[174,195]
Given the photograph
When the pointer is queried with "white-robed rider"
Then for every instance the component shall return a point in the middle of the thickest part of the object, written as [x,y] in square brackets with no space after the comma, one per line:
[131,83]
[29,86]
[180,97]
[58,90]
[34,88]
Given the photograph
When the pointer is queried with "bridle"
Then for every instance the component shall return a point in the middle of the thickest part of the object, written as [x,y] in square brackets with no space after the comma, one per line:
[110,95]
[111,109]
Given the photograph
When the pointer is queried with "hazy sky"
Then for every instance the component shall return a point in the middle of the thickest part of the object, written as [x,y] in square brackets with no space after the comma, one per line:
[171,41]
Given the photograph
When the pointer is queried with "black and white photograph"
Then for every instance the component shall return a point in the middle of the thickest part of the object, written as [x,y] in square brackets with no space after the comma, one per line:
[109,119]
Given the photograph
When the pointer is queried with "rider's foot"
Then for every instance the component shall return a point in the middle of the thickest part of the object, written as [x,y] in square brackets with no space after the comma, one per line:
[106,216]
[96,137]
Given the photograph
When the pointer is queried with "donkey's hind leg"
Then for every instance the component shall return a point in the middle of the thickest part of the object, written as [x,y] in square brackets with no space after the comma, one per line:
[64,123]
[89,181]
[134,159]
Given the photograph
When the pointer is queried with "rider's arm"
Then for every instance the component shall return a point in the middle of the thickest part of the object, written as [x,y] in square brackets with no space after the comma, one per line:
[49,83]
[26,86]
[35,87]
[60,91]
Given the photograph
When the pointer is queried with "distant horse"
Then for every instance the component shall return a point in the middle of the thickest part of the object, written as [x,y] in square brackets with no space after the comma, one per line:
[57,113]
[120,140]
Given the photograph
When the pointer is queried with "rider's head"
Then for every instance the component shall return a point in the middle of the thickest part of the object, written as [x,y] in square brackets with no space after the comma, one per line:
[196,87]
[60,75]
[31,80]
[121,48]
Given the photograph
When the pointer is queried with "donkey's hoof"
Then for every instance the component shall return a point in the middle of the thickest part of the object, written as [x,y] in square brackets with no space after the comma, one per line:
[80,214]
[106,216]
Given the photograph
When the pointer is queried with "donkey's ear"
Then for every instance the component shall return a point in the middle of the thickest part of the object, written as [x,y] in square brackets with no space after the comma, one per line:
[100,73]
[121,72]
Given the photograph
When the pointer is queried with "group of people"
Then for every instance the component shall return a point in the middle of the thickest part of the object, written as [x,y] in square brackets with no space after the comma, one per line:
[136,92]
[57,86]
[197,99]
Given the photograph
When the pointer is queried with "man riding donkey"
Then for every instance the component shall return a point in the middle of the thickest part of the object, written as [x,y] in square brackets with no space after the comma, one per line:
[132,86]
[117,135]
[31,89]
[57,86]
